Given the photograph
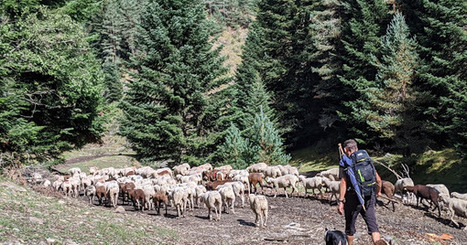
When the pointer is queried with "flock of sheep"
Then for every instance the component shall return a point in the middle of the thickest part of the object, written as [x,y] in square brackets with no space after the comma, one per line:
[184,187]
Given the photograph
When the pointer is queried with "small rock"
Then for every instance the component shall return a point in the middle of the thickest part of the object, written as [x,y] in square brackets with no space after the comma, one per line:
[36,220]
[16,229]
[69,242]
[120,210]
[51,241]
[61,201]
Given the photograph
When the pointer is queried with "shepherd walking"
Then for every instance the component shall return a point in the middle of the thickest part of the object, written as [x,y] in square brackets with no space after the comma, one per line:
[359,186]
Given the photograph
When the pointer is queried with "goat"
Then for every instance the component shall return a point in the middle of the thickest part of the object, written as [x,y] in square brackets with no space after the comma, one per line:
[425,192]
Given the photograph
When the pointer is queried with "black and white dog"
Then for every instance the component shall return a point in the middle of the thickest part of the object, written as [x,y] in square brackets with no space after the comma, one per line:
[335,237]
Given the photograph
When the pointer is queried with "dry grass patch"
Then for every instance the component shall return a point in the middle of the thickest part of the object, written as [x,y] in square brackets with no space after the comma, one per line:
[31,218]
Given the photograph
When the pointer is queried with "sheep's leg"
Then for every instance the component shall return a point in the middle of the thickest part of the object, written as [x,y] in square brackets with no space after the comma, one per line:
[265,213]
[260,219]
[285,191]
[209,213]
[233,206]
[257,217]
[220,213]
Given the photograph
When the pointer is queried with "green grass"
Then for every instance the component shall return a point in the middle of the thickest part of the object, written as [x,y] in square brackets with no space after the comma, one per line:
[309,159]
[30,218]
[118,161]
[432,167]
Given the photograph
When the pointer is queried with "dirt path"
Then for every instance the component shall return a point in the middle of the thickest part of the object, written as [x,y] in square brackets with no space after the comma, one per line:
[300,220]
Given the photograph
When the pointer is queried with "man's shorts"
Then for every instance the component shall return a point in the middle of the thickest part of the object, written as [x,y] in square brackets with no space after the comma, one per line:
[352,208]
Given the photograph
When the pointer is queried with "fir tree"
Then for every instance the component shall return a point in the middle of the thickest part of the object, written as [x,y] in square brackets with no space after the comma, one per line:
[387,102]
[439,26]
[267,139]
[50,86]
[325,34]
[237,150]
[167,106]
[364,23]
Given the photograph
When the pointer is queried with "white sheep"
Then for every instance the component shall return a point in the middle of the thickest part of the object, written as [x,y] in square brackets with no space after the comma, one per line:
[272,171]
[456,206]
[312,183]
[292,170]
[283,182]
[241,172]
[244,179]
[334,187]
[179,197]
[225,168]
[57,184]
[228,197]
[46,183]
[399,187]
[458,195]
[149,191]
[66,187]
[199,190]
[93,170]
[257,168]
[74,171]
[181,169]
[259,205]
[112,189]
[75,183]
[213,200]
[90,192]
[442,189]
[332,174]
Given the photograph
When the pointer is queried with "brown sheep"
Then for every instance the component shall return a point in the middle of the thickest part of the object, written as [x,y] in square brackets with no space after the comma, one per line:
[211,186]
[388,189]
[159,198]
[425,192]
[126,187]
[138,198]
[254,179]
[100,193]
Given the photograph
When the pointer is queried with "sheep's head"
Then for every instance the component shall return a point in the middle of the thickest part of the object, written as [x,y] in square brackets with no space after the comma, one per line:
[269,180]
[251,198]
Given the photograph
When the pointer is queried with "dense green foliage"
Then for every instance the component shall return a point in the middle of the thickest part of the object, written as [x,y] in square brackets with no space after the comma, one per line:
[439,26]
[313,72]
[50,86]
[167,109]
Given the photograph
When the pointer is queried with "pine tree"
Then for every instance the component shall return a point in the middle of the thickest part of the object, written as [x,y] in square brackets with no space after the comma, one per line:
[237,150]
[364,23]
[387,102]
[50,85]
[324,50]
[267,139]
[167,105]
[111,47]
[439,26]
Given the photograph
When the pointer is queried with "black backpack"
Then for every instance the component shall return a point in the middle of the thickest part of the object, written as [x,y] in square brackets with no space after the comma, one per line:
[364,171]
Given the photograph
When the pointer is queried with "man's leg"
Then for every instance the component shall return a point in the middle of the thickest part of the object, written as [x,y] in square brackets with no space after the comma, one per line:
[349,240]
[375,236]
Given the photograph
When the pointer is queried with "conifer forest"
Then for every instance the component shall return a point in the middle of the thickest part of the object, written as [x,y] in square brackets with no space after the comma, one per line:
[391,74]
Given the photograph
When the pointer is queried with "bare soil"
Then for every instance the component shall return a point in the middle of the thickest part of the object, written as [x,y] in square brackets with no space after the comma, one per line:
[298,220]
